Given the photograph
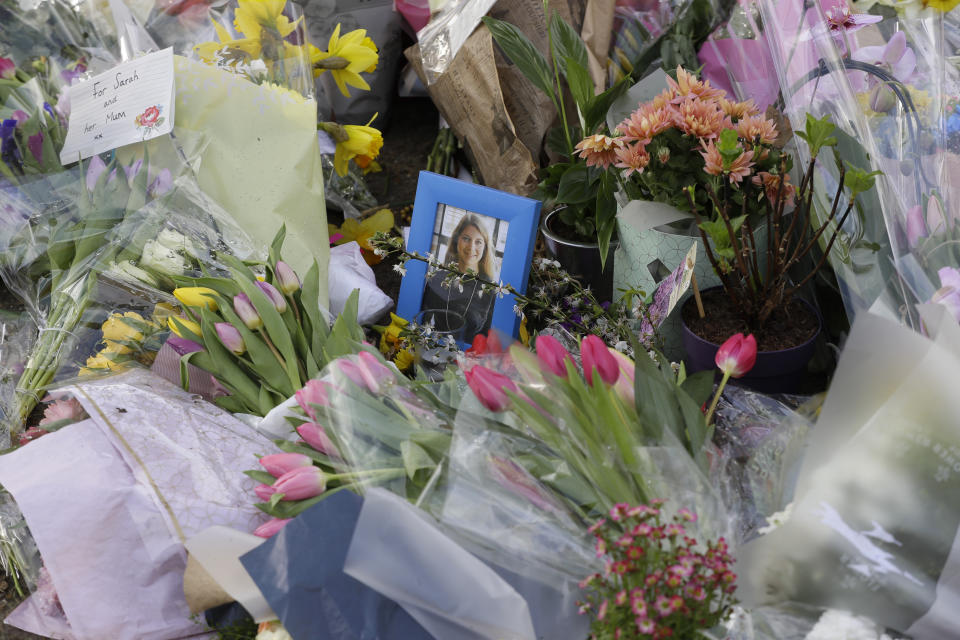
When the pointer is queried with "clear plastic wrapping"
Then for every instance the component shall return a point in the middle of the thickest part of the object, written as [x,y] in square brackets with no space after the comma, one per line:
[886,79]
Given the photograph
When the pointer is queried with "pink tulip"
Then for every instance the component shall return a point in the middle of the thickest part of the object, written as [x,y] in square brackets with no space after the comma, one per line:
[315,436]
[365,371]
[553,357]
[271,527]
[624,386]
[737,355]
[301,483]
[264,491]
[595,355]
[230,337]
[314,393]
[276,298]
[247,312]
[278,464]
[287,279]
[8,69]
[490,387]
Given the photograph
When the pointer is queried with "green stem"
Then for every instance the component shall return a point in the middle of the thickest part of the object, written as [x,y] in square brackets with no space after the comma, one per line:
[276,353]
[716,398]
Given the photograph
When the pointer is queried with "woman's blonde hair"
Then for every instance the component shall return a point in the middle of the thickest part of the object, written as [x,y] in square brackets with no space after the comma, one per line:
[485,267]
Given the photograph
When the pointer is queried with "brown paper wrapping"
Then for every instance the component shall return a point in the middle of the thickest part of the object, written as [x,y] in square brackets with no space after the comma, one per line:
[201,590]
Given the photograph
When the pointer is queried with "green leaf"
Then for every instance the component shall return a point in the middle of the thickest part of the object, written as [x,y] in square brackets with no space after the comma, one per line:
[275,499]
[522,53]
[309,298]
[597,107]
[266,365]
[567,44]
[222,364]
[575,185]
[274,325]
[580,83]
[729,146]
[261,476]
[415,458]
[313,454]
[699,386]
[858,181]
[818,133]
[277,245]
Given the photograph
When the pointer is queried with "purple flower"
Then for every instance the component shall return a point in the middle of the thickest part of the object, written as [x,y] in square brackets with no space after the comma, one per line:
[94,170]
[895,57]
[161,184]
[70,75]
[8,144]
[20,116]
[183,346]
[35,144]
[840,19]
[133,170]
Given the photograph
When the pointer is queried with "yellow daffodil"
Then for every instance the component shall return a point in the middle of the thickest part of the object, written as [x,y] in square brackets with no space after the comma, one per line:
[258,21]
[361,232]
[346,58]
[362,145]
[190,325]
[99,363]
[252,16]
[943,5]
[116,348]
[117,330]
[404,359]
[390,335]
[196,297]
[524,333]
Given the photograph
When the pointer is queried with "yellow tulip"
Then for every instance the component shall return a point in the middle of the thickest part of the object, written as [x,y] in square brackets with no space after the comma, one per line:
[190,325]
[99,364]
[346,58]
[116,347]
[117,330]
[362,144]
[196,297]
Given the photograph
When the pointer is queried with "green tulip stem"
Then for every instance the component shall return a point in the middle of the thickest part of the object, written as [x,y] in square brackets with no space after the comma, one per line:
[716,398]
[296,311]
[276,353]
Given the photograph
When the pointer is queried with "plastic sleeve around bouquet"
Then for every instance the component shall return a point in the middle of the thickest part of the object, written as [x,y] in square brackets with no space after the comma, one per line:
[888,84]
[874,526]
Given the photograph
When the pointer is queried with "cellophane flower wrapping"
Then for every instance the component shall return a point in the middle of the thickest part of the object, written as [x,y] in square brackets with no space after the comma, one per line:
[874,527]
[110,501]
[887,80]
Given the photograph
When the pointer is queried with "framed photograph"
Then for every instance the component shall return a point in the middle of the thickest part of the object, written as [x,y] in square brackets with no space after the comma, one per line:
[476,229]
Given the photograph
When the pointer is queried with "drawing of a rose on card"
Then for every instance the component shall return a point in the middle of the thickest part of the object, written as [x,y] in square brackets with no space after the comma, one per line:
[150,119]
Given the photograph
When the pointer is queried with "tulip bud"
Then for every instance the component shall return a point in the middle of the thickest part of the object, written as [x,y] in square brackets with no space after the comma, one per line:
[175,323]
[301,483]
[182,346]
[230,338]
[624,386]
[314,393]
[882,98]
[737,355]
[276,298]
[287,279]
[365,371]
[490,387]
[314,435]
[264,491]
[247,312]
[196,297]
[596,356]
[278,464]
[271,527]
[553,357]
[916,227]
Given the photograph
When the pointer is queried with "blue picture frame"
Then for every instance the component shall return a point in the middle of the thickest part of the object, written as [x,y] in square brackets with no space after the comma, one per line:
[522,214]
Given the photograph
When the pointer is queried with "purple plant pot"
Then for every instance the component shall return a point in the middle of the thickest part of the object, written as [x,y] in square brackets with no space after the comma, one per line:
[780,371]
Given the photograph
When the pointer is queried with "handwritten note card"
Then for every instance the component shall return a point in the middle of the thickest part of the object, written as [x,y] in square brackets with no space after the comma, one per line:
[132,102]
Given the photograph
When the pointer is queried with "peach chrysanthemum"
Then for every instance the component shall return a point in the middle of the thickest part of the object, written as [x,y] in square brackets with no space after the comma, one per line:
[633,158]
[714,165]
[771,185]
[687,84]
[738,110]
[598,150]
[700,118]
[646,122]
[753,127]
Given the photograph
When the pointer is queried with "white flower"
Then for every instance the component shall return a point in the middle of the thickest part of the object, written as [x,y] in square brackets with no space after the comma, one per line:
[843,625]
[174,240]
[776,520]
[128,271]
[517,310]
[273,631]
[501,290]
[379,252]
[163,259]
[399,268]
[621,346]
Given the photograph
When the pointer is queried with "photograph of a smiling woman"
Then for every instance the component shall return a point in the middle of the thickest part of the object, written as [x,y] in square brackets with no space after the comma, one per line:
[473,243]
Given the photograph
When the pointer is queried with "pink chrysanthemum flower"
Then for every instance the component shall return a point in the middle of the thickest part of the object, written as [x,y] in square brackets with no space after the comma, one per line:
[687,84]
[714,165]
[633,158]
[702,119]
[645,122]
[738,110]
[598,150]
[753,127]
[771,186]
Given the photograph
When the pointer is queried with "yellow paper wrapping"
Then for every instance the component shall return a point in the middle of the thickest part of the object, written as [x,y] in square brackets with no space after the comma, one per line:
[254,148]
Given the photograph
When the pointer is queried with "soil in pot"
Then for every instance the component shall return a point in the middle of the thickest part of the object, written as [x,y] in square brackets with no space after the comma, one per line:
[789,326]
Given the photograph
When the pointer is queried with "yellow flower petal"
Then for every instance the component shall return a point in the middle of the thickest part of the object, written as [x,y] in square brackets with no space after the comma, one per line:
[196,297]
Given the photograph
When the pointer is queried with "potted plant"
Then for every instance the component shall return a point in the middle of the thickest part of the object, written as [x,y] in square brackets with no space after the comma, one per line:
[579,198]
[664,146]
[756,299]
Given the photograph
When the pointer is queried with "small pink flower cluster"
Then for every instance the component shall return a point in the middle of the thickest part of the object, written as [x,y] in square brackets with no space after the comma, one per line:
[699,113]
[656,582]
